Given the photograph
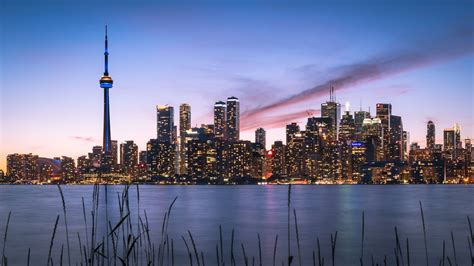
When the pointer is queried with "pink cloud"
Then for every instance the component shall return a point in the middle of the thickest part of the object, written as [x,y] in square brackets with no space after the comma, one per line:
[85,139]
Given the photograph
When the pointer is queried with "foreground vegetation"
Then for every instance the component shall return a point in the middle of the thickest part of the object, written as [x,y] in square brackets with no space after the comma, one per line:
[128,242]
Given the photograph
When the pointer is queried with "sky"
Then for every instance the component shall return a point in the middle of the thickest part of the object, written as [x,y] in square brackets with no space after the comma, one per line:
[278,57]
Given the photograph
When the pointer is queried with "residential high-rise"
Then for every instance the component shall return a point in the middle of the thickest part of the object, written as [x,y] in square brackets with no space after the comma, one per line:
[201,158]
[21,166]
[238,159]
[106,83]
[430,135]
[260,136]
[160,158]
[128,156]
[184,124]
[220,120]
[165,123]
[332,110]
[233,119]
[67,168]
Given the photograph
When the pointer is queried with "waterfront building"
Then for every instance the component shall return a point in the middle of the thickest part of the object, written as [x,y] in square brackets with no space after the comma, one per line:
[233,119]
[165,123]
[220,119]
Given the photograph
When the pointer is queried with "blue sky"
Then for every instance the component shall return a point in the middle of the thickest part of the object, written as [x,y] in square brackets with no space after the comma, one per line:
[263,52]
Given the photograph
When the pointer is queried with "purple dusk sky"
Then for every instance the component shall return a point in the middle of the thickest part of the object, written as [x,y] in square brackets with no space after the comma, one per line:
[278,57]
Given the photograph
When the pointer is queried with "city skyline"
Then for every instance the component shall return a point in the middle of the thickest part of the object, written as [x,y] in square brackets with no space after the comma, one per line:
[401,81]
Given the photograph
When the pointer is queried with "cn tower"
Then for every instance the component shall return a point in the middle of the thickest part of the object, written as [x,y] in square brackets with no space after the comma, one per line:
[106,83]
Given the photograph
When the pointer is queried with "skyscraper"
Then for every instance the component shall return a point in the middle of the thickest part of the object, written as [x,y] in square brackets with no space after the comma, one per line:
[395,145]
[233,119]
[106,83]
[452,139]
[291,130]
[372,132]
[220,121]
[457,133]
[430,135]
[359,117]
[260,136]
[332,110]
[184,124]
[384,111]
[406,140]
[295,155]
[165,123]
[449,138]
[346,137]
[347,128]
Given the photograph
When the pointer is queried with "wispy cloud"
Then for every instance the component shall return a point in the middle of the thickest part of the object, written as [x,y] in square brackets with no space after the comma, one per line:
[85,139]
[422,53]
[394,90]
[277,121]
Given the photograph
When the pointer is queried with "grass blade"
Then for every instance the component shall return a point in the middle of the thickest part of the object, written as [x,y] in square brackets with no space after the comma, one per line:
[424,232]
[189,252]
[52,240]
[297,237]
[65,223]
[363,236]
[275,250]
[259,251]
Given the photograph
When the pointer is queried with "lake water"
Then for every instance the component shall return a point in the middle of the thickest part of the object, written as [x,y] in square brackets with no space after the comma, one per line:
[253,210]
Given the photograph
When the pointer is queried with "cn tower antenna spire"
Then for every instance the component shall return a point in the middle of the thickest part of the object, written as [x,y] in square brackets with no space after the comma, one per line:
[106,53]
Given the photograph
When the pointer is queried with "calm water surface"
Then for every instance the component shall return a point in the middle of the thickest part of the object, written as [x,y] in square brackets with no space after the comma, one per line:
[252,210]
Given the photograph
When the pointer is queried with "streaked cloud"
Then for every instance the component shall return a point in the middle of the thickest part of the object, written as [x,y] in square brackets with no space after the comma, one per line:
[421,53]
[84,139]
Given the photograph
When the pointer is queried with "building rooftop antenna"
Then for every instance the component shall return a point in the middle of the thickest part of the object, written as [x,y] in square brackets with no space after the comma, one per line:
[330,94]
[334,94]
